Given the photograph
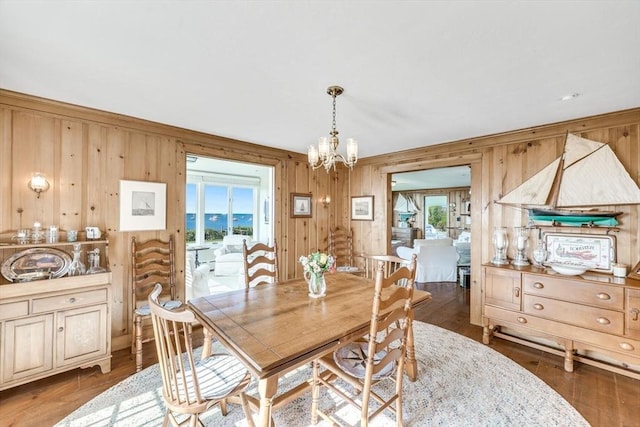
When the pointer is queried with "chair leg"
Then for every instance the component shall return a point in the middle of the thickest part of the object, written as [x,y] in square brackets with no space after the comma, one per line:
[246,410]
[138,332]
[315,392]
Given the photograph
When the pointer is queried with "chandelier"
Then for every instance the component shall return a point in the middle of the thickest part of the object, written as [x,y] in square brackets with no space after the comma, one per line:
[325,154]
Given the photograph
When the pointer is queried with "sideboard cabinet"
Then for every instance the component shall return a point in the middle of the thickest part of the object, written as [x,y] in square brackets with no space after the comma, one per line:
[580,317]
[54,325]
[404,235]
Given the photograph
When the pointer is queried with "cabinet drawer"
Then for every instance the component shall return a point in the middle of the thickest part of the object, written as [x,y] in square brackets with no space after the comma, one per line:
[14,309]
[595,318]
[622,345]
[576,291]
[70,300]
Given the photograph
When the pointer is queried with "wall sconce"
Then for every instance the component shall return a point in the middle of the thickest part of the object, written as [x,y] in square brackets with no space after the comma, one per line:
[38,183]
[452,207]
[326,200]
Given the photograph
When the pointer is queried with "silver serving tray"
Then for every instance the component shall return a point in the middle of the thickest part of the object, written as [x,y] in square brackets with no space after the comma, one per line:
[36,264]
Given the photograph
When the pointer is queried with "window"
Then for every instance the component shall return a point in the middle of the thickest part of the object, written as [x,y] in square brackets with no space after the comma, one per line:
[224,197]
[436,215]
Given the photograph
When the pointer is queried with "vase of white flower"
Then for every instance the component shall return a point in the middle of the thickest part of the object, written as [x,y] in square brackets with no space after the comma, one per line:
[317,285]
[314,266]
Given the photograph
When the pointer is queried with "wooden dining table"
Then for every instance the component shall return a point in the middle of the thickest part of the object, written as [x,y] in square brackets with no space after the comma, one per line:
[274,329]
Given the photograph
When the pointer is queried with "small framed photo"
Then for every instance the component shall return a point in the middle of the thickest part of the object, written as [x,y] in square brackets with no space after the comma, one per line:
[143,205]
[635,272]
[362,208]
[300,205]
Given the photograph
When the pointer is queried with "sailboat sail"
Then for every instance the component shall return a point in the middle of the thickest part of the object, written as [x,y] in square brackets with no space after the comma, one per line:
[587,174]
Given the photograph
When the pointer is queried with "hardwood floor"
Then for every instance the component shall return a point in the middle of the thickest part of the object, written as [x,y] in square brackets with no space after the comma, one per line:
[602,397]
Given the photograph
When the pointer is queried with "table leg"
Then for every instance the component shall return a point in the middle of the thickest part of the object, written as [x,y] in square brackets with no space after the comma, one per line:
[197,262]
[411,364]
[267,388]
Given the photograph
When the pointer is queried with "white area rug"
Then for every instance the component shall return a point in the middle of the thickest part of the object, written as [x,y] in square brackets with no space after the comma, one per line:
[461,383]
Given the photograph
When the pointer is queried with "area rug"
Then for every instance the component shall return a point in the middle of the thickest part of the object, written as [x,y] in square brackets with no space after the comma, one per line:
[460,383]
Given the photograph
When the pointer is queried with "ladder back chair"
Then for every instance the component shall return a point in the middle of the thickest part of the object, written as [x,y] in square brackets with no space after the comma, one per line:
[341,246]
[375,358]
[191,386]
[152,262]
[260,264]
[391,264]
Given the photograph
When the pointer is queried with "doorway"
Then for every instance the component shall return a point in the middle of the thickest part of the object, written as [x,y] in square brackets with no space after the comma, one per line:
[223,198]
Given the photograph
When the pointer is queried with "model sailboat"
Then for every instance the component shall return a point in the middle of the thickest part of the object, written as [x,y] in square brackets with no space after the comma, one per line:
[565,192]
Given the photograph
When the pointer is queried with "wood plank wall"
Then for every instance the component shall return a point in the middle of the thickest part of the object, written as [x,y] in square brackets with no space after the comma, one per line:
[85,153]
[498,164]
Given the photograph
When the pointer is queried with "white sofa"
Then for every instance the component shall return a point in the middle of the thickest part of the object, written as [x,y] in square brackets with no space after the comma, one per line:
[437,259]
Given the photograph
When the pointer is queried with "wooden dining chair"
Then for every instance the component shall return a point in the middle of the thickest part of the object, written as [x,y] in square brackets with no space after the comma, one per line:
[191,386]
[152,262]
[391,264]
[341,246]
[260,264]
[366,363]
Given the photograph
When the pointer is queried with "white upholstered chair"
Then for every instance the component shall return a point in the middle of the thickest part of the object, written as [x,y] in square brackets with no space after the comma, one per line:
[196,279]
[437,259]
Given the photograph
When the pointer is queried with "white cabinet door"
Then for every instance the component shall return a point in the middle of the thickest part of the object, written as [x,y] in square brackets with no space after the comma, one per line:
[27,347]
[81,334]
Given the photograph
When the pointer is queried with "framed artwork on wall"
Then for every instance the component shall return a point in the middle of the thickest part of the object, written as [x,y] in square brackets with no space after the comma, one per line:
[143,205]
[362,208]
[300,205]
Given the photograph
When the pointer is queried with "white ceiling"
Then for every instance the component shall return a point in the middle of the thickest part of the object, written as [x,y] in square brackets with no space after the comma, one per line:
[415,73]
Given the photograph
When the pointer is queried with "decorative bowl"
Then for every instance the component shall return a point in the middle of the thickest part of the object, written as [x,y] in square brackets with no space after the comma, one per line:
[568,269]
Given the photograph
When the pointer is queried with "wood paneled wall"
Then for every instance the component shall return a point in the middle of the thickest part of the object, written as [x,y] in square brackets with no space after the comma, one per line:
[85,153]
[457,222]
[498,164]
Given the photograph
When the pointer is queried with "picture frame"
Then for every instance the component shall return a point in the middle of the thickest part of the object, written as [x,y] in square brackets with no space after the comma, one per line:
[594,252]
[362,208]
[301,205]
[143,205]
[635,272]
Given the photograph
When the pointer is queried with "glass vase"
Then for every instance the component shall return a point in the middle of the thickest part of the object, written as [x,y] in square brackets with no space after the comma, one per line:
[317,285]
[76,268]
[500,244]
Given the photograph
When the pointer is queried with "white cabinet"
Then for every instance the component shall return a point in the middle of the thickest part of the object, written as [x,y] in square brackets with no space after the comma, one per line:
[51,326]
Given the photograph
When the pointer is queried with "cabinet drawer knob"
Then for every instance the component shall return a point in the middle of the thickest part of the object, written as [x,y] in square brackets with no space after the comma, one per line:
[72,300]
[603,321]
[538,285]
[538,306]
[626,346]
[517,292]
[522,320]
[634,314]
[60,329]
[603,296]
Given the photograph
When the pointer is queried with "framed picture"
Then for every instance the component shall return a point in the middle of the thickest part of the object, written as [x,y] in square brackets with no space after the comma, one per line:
[300,205]
[362,208]
[595,252]
[143,205]
[635,272]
